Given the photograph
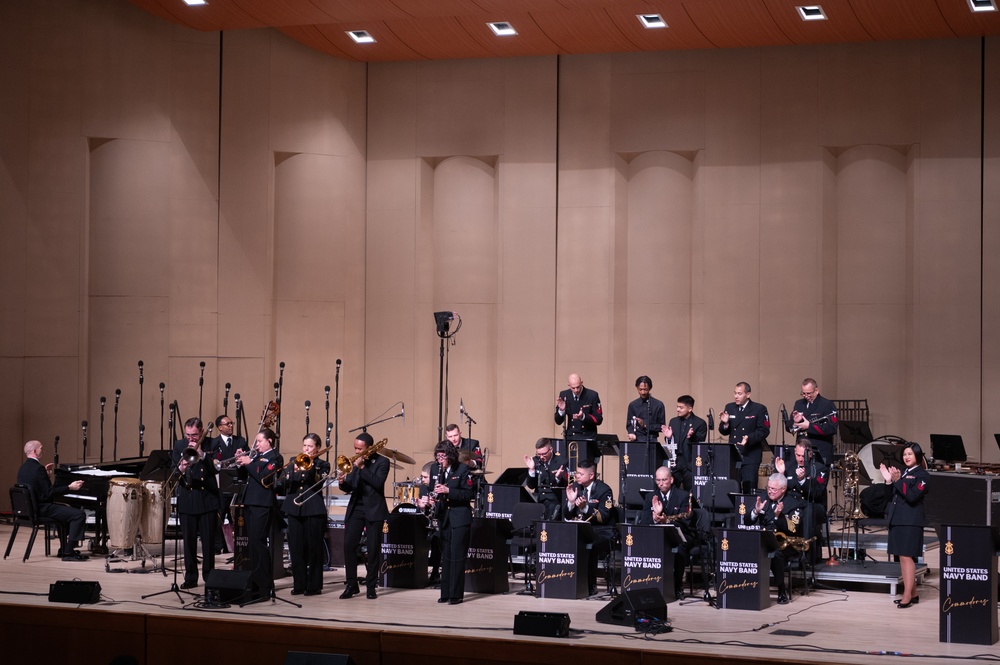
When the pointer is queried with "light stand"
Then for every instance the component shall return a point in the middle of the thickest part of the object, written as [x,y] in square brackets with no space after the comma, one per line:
[443,321]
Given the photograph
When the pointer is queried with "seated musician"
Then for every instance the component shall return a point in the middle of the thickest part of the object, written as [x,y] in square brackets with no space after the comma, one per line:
[781,513]
[39,478]
[807,477]
[547,475]
[590,500]
[668,504]
[425,502]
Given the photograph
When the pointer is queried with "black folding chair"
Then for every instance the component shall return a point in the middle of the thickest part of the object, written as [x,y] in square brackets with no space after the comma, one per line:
[25,509]
[522,539]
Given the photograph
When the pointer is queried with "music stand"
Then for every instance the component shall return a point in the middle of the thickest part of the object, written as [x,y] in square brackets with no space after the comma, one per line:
[948,448]
[157,466]
[855,432]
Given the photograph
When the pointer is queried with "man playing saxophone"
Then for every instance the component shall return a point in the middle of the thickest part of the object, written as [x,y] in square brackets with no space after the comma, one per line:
[365,512]
[672,505]
[781,513]
[591,500]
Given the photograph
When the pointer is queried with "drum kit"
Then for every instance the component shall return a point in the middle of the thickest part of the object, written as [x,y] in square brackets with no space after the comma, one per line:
[135,519]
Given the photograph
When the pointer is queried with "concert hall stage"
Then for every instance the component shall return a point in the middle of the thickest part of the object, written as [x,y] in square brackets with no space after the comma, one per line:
[409,627]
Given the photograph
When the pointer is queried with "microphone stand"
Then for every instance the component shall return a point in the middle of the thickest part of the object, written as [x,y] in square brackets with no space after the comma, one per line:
[118,394]
[103,402]
[142,427]
[162,386]
[201,387]
[225,400]
[55,454]
[277,425]
[336,412]
[84,426]
[174,587]
[308,404]
[280,386]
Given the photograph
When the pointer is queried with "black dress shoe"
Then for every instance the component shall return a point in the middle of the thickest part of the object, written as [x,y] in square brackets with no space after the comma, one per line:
[371,595]
[75,556]
[592,591]
[782,598]
[903,606]
[913,601]
[189,585]
[444,600]
[434,580]
[297,592]
[681,595]
[455,601]
[350,592]
[317,592]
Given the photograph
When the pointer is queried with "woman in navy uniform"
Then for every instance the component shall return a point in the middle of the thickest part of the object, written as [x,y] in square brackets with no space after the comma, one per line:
[261,472]
[452,491]
[306,522]
[906,517]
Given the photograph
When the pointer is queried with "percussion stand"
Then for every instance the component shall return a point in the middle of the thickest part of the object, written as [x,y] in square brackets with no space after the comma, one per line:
[174,587]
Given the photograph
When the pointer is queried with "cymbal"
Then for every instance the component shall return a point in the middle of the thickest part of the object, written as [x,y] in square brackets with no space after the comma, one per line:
[394,454]
[479,472]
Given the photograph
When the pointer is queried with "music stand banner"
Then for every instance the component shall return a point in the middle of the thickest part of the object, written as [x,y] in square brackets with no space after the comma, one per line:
[648,558]
[404,551]
[742,582]
[968,578]
[562,559]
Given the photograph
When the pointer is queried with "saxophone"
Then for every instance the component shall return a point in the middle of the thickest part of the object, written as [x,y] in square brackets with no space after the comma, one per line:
[668,519]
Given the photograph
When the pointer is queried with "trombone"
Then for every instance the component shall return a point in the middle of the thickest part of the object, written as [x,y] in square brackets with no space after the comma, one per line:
[344,465]
[190,455]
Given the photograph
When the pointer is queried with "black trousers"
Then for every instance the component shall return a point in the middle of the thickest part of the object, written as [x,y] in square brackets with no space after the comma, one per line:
[306,546]
[353,528]
[454,550]
[73,520]
[203,524]
[258,522]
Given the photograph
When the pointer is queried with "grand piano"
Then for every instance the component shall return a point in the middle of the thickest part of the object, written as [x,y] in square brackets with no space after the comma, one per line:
[93,496]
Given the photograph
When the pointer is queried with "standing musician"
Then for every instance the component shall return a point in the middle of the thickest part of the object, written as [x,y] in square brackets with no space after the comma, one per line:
[226,446]
[815,416]
[579,408]
[547,475]
[452,493]
[470,447]
[591,500]
[365,512]
[426,504]
[779,512]
[747,425]
[197,501]
[39,477]
[646,416]
[668,504]
[261,472]
[306,522]
[685,430]
[907,517]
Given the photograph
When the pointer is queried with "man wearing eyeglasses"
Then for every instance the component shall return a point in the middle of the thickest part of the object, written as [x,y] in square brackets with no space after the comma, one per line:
[226,446]
[815,417]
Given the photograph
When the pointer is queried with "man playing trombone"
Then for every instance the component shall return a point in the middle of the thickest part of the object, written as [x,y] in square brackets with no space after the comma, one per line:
[305,513]
[365,512]
[197,499]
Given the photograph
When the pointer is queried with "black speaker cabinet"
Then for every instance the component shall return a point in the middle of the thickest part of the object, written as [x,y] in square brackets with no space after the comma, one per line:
[310,658]
[226,586]
[77,592]
[542,624]
[632,607]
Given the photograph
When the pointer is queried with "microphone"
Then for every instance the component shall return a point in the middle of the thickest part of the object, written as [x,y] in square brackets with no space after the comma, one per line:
[118,396]
[281,365]
[711,420]
[84,426]
[140,372]
[326,389]
[228,388]
[784,418]
[308,404]
[162,386]
[402,412]
[105,399]
[338,363]
[201,379]
[329,428]
[461,406]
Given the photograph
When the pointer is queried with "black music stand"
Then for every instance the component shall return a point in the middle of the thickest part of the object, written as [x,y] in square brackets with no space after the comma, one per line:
[855,432]
[168,509]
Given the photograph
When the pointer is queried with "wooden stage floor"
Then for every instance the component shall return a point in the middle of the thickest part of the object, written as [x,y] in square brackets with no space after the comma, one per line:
[408,627]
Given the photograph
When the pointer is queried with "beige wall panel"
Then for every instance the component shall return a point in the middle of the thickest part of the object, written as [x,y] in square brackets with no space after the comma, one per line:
[583,285]
[732,134]
[389,286]
[194,278]
[129,187]
[392,95]
[51,398]
[194,139]
[585,176]
[395,180]
[245,375]
[530,103]
[126,63]
[868,93]
[12,411]
[459,108]
[991,256]
[658,111]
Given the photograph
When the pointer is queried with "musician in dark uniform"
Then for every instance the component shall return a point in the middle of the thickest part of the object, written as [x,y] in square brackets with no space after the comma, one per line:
[668,504]
[39,478]
[779,512]
[365,512]
[226,446]
[591,500]
[815,416]
[426,505]
[807,478]
[453,492]
[547,476]
[580,409]
[646,416]
[468,449]
[197,501]
[747,425]
[685,430]
[907,518]
[306,522]
[261,473]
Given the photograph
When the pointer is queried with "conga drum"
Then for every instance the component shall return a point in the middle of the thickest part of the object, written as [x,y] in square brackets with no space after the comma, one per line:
[151,523]
[124,512]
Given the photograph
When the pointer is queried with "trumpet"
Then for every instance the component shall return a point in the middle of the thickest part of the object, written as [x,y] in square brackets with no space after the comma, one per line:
[267,419]
[344,463]
[797,543]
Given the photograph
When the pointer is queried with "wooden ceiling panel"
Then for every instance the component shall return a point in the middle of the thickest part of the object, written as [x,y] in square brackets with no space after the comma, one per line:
[355,10]
[841,26]
[278,13]
[529,40]
[426,8]
[680,33]
[512,7]
[590,31]
[439,38]
[888,20]
[314,38]
[736,23]
[219,15]
[966,23]
[387,47]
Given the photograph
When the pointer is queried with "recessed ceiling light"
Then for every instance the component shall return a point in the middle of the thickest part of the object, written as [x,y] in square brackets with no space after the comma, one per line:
[651,21]
[361,36]
[502,28]
[194,3]
[983,5]
[811,13]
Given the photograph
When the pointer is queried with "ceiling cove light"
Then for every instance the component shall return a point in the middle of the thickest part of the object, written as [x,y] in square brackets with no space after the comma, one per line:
[361,36]
[502,28]
[983,5]
[811,13]
[650,21]
[194,3]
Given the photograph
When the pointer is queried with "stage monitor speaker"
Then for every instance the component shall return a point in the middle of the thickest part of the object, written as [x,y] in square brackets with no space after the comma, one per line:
[542,624]
[633,607]
[77,592]
[226,586]
[310,658]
